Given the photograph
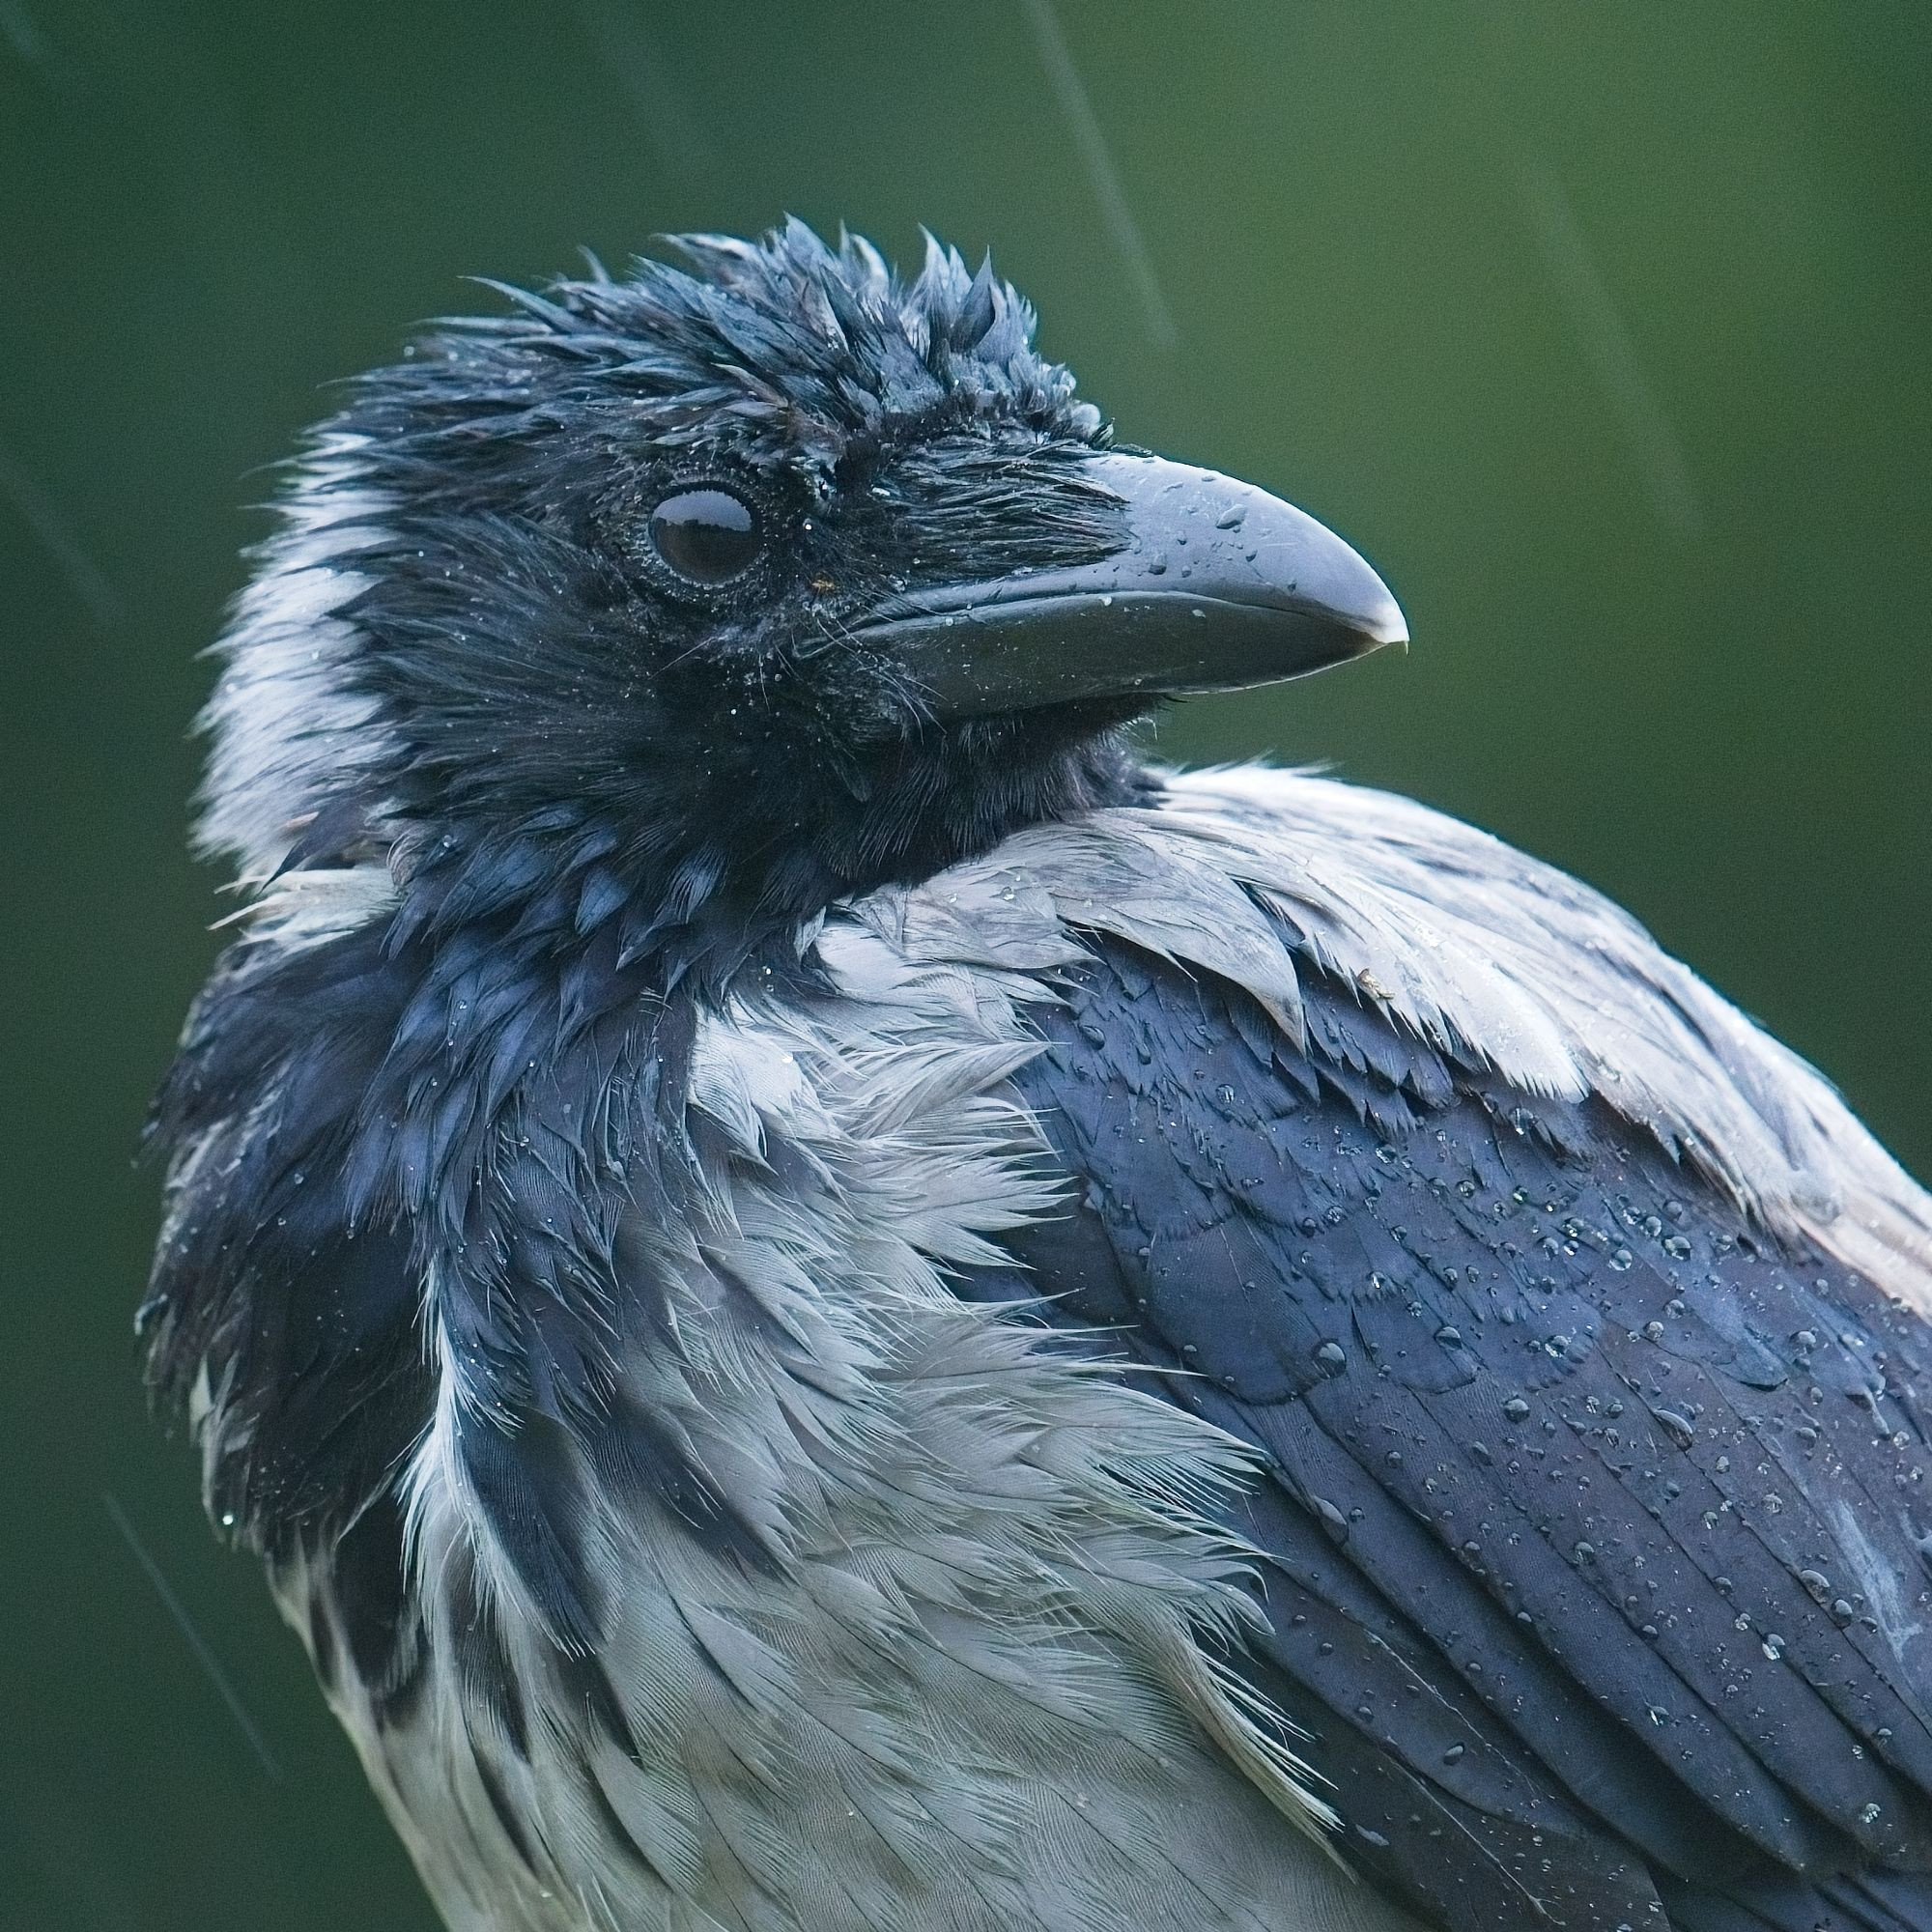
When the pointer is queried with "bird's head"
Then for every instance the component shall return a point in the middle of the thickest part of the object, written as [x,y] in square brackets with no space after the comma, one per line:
[763,581]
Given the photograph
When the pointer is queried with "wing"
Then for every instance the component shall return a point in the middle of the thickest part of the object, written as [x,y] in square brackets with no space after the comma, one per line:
[1597,1514]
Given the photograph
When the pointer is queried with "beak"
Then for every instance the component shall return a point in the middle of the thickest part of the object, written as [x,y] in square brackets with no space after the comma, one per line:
[1220,585]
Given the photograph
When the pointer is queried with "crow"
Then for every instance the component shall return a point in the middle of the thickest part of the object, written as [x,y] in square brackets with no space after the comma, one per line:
[838,1306]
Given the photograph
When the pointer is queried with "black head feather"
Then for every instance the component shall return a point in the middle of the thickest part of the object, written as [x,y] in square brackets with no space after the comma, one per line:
[522,661]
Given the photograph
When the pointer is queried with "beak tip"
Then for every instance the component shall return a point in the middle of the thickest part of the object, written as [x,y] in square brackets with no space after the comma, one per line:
[1386,625]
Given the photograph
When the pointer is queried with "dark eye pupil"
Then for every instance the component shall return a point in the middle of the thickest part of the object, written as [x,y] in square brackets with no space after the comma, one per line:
[706,535]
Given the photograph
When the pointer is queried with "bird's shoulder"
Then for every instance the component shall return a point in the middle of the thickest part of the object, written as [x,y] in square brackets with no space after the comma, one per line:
[1579,1322]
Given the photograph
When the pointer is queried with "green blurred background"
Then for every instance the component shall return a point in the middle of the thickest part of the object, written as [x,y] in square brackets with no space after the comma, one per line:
[1602,330]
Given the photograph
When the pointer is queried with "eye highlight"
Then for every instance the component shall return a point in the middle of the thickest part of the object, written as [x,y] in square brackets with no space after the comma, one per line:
[707,535]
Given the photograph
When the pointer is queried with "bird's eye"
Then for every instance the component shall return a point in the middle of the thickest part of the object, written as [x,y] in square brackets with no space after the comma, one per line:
[707,536]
